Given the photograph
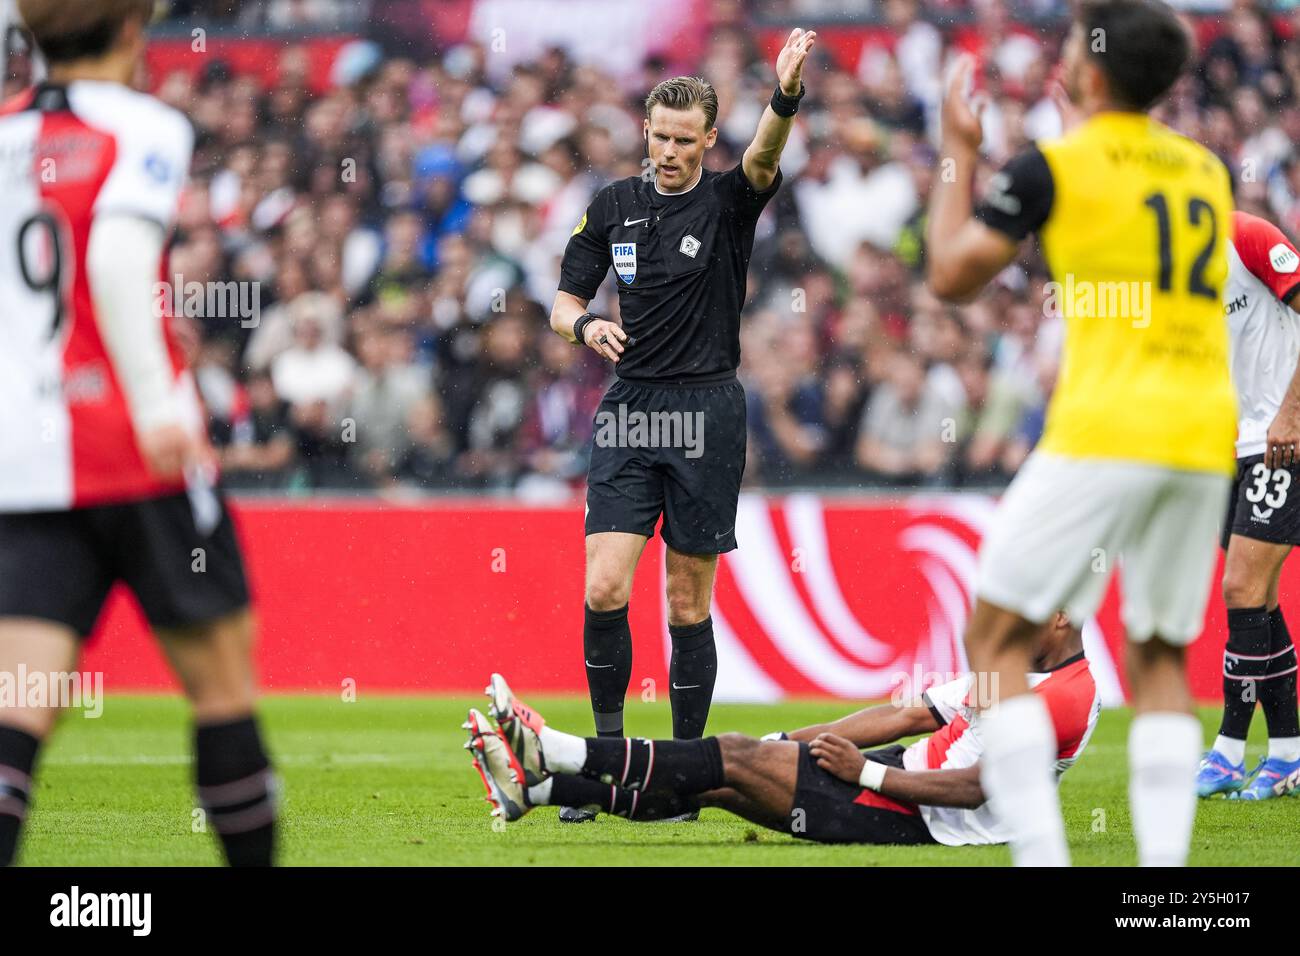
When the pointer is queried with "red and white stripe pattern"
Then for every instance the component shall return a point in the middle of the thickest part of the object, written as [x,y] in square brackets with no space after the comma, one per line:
[1074,704]
[67,157]
[794,607]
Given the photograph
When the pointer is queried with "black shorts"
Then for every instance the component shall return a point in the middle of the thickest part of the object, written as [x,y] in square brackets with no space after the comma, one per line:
[675,450]
[835,811]
[60,565]
[1264,504]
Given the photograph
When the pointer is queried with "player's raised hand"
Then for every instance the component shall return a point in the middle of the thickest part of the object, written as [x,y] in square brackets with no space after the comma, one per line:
[961,111]
[605,338]
[790,61]
[839,756]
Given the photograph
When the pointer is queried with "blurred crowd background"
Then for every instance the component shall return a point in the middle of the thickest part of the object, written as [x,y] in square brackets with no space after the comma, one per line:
[401,214]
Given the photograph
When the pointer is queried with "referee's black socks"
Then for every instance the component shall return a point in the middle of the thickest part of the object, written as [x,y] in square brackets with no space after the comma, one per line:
[607,650]
[17,757]
[691,676]
[237,789]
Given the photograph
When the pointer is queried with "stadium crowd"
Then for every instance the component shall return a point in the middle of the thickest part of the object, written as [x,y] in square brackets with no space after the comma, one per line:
[402,232]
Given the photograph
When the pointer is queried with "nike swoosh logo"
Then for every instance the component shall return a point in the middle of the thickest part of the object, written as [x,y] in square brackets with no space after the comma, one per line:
[596,667]
[685,686]
[633,222]
[719,537]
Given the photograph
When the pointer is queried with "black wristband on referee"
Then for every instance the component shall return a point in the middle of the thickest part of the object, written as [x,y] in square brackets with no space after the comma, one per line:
[786,106]
[581,326]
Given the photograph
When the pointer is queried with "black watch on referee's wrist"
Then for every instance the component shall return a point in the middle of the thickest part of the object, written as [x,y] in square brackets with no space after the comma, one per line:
[580,326]
[786,106]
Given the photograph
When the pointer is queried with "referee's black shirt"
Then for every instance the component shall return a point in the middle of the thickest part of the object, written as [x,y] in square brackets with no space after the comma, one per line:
[680,260]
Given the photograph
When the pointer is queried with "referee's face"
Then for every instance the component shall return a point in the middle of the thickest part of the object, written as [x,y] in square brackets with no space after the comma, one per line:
[677,140]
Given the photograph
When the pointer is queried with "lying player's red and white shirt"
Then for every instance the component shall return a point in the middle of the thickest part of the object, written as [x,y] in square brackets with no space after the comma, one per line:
[67,156]
[1263,275]
[1072,699]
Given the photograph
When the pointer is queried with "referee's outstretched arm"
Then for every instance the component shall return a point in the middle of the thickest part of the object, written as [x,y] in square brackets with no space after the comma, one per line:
[763,155]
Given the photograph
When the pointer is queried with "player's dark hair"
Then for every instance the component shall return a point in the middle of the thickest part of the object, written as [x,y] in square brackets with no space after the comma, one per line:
[1140,45]
[79,30]
[682,93]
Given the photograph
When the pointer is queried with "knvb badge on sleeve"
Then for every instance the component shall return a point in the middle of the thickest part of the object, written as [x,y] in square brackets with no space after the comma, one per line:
[624,256]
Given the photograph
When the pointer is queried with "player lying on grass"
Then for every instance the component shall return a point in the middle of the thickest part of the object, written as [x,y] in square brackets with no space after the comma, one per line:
[816,784]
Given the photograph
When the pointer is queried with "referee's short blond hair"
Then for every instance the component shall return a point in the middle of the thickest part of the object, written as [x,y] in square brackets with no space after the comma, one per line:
[79,29]
[684,92]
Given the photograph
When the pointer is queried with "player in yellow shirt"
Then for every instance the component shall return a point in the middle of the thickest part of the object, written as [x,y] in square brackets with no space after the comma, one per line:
[1133,468]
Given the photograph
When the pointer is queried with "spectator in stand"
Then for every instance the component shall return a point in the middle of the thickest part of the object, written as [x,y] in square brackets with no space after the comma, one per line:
[787,433]
[257,449]
[403,274]
[556,433]
[908,429]
[486,400]
[313,369]
[388,388]
[992,408]
[416,204]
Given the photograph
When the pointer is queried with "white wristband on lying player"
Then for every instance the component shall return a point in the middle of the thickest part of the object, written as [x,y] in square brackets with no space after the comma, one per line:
[873,775]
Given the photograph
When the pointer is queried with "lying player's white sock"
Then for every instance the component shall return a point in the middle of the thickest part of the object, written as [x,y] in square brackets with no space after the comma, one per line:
[1231,747]
[1163,753]
[1017,773]
[564,753]
[539,794]
[1284,748]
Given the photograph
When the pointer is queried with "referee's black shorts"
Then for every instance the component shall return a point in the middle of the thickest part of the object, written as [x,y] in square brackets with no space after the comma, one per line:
[671,450]
[184,567]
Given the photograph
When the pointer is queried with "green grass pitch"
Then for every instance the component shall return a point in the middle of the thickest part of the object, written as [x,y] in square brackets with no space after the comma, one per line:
[384,781]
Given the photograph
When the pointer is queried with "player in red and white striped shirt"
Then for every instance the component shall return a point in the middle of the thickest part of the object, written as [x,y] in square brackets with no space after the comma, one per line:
[104,473]
[816,783]
[1263,521]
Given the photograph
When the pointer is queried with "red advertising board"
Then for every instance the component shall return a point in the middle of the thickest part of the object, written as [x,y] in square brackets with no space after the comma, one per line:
[825,597]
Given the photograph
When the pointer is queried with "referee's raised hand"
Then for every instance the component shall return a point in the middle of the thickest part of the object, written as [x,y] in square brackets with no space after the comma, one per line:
[790,61]
[605,338]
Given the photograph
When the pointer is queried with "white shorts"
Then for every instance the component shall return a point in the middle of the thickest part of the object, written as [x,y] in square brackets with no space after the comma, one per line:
[1065,523]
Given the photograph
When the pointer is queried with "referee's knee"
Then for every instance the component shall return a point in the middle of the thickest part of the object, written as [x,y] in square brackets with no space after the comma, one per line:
[607,595]
[686,605]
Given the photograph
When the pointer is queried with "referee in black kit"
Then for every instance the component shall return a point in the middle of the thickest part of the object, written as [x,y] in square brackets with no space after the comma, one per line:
[670,433]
